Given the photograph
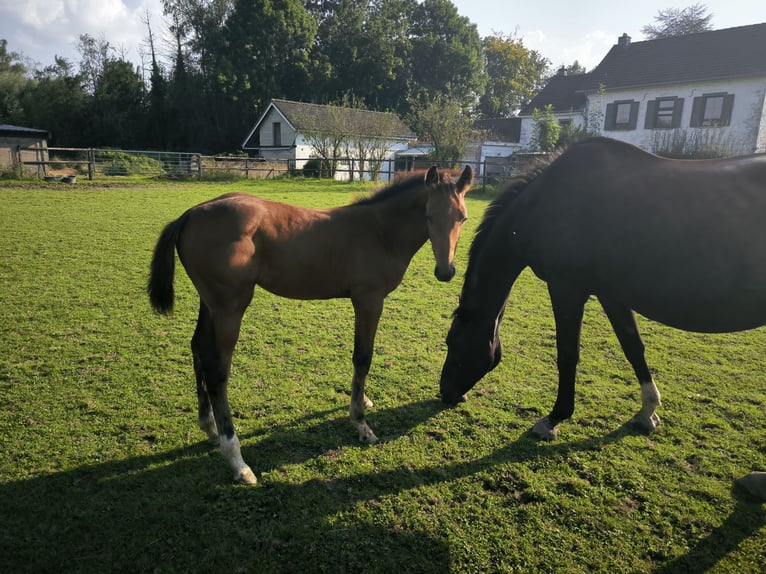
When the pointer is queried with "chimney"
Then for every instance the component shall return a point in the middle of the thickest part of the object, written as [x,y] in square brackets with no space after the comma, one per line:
[562,71]
[623,41]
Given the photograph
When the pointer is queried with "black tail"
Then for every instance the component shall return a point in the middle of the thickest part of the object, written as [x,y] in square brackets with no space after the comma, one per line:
[162,270]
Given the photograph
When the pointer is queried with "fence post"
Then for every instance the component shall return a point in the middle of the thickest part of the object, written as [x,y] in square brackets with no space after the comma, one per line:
[199,166]
[91,163]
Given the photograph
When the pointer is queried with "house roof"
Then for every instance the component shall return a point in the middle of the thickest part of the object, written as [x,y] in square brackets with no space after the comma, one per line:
[501,129]
[306,118]
[702,57]
[564,93]
[705,56]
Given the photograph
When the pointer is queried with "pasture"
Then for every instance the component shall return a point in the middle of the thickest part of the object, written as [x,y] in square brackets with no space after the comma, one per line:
[102,466]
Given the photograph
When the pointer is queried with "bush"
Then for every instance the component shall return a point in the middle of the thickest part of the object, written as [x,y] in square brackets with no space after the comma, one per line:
[695,144]
[316,168]
[121,163]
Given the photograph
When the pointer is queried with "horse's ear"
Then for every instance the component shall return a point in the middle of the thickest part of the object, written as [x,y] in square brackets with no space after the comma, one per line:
[432,177]
[465,181]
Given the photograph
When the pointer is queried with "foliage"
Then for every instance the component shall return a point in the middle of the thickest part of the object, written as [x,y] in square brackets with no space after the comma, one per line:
[120,163]
[101,461]
[12,80]
[441,121]
[545,131]
[706,143]
[515,74]
[447,53]
[679,22]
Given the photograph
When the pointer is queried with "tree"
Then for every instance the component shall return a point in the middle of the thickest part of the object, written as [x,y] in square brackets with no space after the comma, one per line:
[545,132]
[575,68]
[441,121]
[13,81]
[679,22]
[447,55]
[56,100]
[514,75]
[117,107]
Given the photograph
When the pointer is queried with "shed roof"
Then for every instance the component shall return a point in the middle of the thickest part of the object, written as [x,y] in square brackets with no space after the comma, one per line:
[9,130]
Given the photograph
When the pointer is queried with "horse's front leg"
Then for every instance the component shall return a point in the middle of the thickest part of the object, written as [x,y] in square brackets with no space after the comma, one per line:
[367,310]
[568,306]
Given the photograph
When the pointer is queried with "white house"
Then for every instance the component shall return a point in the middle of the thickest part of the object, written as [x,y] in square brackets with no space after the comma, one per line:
[297,131]
[704,87]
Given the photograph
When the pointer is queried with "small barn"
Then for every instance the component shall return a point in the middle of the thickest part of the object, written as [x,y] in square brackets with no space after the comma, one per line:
[21,148]
[296,132]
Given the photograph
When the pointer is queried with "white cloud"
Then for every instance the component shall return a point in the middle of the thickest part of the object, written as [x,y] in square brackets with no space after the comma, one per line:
[39,14]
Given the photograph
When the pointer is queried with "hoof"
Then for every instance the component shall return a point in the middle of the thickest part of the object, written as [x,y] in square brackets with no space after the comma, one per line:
[366,436]
[544,431]
[754,483]
[245,476]
[646,424]
[452,401]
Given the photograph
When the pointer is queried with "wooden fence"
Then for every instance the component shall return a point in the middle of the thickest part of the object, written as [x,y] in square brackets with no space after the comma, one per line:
[69,163]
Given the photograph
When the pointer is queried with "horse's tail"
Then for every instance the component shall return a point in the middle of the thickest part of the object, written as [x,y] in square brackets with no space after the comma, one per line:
[162,269]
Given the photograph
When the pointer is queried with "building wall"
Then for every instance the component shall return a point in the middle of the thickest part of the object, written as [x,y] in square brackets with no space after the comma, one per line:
[746,132]
[266,132]
[12,150]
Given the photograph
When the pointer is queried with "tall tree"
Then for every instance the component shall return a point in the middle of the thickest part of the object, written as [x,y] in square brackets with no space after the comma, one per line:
[514,75]
[679,22]
[117,108]
[13,80]
[446,53]
[56,100]
[268,51]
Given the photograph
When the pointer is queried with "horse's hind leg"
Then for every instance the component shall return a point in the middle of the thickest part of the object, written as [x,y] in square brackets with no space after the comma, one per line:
[367,312]
[201,343]
[623,322]
[216,342]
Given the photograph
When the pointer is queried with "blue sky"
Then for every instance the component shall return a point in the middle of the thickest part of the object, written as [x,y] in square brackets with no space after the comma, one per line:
[561,30]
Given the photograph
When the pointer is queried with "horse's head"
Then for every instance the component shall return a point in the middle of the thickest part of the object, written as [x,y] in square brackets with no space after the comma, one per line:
[473,349]
[445,214]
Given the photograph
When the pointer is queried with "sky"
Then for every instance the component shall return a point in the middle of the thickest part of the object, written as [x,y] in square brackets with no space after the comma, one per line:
[560,30]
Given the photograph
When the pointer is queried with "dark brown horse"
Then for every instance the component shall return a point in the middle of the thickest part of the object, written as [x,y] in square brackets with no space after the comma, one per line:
[681,242]
[361,251]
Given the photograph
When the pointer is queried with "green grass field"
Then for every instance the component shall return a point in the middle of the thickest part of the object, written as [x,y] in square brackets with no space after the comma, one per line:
[103,469]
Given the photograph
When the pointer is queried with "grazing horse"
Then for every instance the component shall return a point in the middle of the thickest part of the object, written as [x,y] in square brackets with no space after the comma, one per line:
[360,251]
[681,242]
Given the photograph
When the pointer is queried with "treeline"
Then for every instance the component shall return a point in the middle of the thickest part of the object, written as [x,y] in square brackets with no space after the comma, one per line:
[203,89]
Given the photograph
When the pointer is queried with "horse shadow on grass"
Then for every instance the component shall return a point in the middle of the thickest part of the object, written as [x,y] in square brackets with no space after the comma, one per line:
[175,511]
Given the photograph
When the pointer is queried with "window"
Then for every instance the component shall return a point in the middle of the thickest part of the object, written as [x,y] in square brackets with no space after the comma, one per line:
[276,128]
[712,110]
[664,113]
[621,115]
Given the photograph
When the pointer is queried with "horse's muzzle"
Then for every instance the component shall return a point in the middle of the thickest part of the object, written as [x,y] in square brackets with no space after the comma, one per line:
[444,274]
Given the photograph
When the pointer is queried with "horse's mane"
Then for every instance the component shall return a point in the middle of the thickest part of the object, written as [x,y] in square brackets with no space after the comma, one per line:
[498,206]
[396,190]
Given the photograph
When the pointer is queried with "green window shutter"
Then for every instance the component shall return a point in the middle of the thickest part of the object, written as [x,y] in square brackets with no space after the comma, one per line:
[728,104]
[633,116]
[698,108]
[651,115]
[610,117]
[678,110]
